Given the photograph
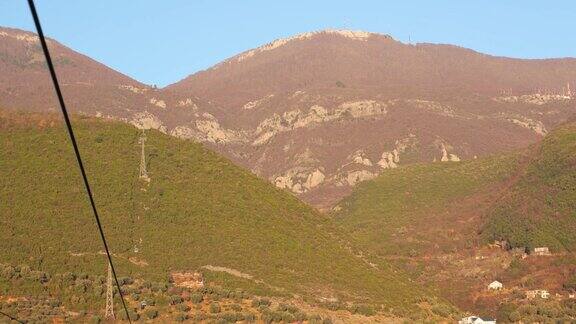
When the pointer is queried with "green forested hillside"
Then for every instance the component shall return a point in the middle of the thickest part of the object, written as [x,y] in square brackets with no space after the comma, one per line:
[414,201]
[198,210]
[540,209]
[527,198]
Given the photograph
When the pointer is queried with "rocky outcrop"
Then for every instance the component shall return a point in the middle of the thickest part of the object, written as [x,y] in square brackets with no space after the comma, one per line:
[432,106]
[359,157]
[351,178]
[146,120]
[187,103]
[533,125]
[390,159]
[534,99]
[446,155]
[209,130]
[158,103]
[315,115]
[300,179]
[132,88]
[256,103]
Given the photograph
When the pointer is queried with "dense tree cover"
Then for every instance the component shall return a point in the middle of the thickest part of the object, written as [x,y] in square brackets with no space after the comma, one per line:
[199,209]
[537,206]
[540,209]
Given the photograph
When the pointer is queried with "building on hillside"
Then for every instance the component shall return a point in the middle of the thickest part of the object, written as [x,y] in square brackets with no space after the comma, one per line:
[542,293]
[495,285]
[518,253]
[503,244]
[543,250]
[477,320]
[531,294]
[572,295]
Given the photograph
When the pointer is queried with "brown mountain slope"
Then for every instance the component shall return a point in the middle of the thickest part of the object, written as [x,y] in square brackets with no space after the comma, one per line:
[321,111]
[89,87]
[368,61]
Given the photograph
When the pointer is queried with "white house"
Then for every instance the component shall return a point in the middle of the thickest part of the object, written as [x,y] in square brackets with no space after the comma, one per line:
[495,285]
[542,293]
[476,320]
[543,250]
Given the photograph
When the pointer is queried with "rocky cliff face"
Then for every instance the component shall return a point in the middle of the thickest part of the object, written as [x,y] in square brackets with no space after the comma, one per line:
[319,112]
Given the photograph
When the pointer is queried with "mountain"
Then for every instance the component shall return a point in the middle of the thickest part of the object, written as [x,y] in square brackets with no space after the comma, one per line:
[439,222]
[319,112]
[89,87]
[199,212]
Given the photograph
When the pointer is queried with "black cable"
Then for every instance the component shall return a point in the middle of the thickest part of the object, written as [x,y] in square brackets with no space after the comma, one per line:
[74,144]
[12,317]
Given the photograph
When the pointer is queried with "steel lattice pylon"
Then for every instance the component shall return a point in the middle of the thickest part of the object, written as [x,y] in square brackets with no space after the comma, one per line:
[109,295]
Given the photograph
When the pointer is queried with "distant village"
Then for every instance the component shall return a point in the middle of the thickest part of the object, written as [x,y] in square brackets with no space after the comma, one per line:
[497,285]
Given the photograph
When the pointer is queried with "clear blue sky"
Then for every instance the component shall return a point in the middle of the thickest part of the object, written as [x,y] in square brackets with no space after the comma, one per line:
[162,41]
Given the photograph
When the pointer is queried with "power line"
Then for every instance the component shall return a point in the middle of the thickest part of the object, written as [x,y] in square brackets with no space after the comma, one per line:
[75,145]
[12,317]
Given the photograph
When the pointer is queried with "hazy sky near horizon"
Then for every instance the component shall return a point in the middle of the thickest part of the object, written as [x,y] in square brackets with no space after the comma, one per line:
[161,42]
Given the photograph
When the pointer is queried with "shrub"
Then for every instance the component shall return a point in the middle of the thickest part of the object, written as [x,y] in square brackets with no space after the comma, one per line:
[249,317]
[200,317]
[215,308]
[300,316]
[571,283]
[151,313]
[175,299]
[515,316]
[183,308]
[8,272]
[231,317]
[133,315]
[327,320]
[236,307]
[181,317]
[441,310]
[196,298]
[287,308]
[334,306]
[288,317]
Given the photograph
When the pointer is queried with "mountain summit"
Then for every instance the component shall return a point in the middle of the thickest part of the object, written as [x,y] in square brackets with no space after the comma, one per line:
[321,111]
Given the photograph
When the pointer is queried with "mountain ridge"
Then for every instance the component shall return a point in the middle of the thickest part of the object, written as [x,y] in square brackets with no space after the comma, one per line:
[319,112]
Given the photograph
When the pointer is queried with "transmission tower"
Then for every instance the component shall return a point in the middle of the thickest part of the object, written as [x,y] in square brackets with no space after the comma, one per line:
[143,172]
[109,295]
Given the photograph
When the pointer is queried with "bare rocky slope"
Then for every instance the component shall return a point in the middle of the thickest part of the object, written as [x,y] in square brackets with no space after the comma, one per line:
[319,112]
